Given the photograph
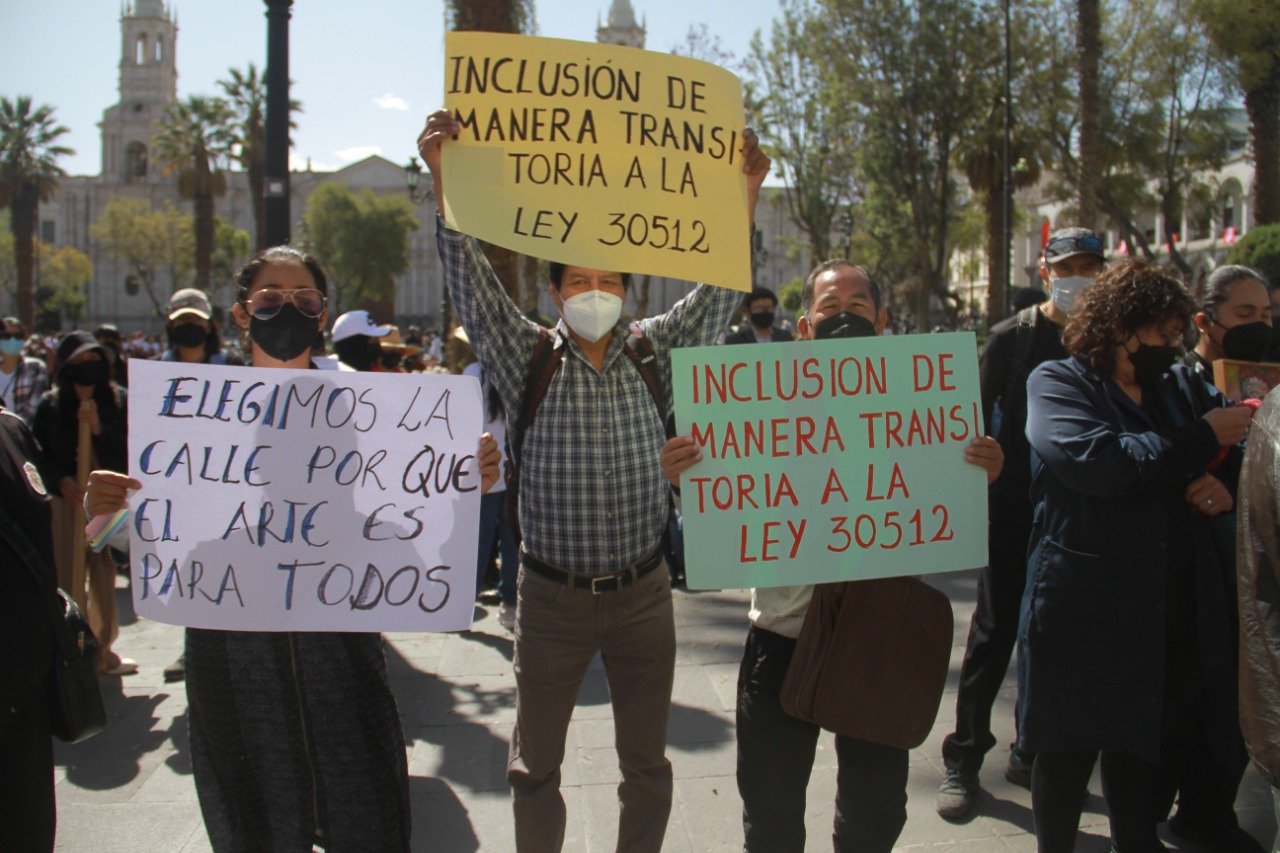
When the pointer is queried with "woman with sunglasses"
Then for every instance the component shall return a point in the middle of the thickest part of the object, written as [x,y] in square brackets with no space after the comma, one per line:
[295,737]
[1127,480]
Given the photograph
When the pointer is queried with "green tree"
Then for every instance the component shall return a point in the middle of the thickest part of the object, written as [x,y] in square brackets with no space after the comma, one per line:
[194,140]
[8,268]
[232,247]
[363,241]
[64,274]
[29,174]
[908,65]
[246,91]
[149,241]
[1248,32]
[1260,249]
[1162,117]
[808,119]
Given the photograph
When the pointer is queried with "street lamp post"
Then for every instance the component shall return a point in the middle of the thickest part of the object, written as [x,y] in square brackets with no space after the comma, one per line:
[275,202]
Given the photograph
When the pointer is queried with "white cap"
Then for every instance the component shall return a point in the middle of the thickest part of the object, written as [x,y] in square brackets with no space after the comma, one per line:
[355,323]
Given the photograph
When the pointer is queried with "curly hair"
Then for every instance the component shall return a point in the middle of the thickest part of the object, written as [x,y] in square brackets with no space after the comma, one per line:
[1126,296]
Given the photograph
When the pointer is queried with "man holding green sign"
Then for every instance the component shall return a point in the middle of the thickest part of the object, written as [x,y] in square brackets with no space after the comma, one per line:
[776,751]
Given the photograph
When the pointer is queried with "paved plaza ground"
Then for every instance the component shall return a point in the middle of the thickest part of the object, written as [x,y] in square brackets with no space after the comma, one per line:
[130,788]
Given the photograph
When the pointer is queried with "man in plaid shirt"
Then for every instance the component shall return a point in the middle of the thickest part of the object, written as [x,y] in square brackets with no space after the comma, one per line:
[593,506]
[22,379]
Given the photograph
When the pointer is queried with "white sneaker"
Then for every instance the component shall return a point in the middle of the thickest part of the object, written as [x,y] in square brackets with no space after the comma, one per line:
[507,616]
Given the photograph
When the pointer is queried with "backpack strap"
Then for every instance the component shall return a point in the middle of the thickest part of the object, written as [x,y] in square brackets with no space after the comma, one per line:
[639,351]
[548,352]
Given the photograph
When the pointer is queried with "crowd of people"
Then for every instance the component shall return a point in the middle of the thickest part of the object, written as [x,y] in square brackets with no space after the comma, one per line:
[1114,466]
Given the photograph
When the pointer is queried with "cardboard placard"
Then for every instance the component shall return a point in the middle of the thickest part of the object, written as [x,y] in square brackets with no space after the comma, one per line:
[598,155]
[830,460]
[303,500]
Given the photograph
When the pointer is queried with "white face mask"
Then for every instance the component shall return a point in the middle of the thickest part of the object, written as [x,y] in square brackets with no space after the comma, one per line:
[592,313]
[1067,290]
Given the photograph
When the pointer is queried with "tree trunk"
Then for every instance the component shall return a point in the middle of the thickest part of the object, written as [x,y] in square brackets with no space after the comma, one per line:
[1089,50]
[1263,106]
[202,206]
[531,286]
[24,212]
[506,265]
[997,258]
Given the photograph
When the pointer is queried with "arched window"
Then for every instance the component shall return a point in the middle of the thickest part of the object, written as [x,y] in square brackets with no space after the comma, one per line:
[140,50]
[159,49]
[135,162]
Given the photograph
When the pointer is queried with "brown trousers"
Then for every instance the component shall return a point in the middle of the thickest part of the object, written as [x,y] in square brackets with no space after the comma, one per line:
[558,631]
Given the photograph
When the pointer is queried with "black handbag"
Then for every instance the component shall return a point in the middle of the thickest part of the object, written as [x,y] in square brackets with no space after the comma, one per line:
[75,706]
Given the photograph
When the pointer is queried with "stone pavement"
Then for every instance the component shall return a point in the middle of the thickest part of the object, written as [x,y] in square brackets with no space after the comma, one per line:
[130,788]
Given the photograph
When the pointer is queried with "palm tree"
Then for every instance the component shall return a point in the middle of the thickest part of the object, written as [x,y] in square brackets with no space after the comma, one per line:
[194,140]
[494,16]
[28,176]
[247,93]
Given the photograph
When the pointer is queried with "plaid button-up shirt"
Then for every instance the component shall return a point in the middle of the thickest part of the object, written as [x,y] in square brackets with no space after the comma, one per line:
[30,380]
[592,495]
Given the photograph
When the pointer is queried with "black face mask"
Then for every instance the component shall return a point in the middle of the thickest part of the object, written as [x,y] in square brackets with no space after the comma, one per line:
[846,324]
[87,373]
[1247,342]
[1150,363]
[187,335]
[285,336]
[762,319]
[358,351]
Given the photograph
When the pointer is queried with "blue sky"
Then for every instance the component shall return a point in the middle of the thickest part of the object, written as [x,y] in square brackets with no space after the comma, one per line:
[367,72]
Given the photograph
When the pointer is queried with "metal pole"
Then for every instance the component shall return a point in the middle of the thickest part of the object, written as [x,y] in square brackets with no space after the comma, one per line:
[1007,179]
[275,203]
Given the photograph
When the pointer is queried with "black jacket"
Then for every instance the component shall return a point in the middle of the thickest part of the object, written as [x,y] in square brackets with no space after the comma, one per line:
[25,628]
[57,435]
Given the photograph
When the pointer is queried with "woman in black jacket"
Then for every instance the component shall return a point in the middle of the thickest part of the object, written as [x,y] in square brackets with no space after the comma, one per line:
[83,390]
[1133,471]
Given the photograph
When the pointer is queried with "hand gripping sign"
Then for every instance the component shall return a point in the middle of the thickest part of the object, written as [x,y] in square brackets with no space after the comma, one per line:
[598,155]
[830,460]
[303,500]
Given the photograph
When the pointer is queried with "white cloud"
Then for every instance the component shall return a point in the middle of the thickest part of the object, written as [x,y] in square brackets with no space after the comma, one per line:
[357,152]
[392,102]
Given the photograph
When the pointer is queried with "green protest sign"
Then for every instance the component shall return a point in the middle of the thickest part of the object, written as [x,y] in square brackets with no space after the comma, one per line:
[830,460]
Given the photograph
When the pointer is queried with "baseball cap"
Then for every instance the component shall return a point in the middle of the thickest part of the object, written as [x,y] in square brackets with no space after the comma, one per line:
[1069,242]
[355,323]
[189,300]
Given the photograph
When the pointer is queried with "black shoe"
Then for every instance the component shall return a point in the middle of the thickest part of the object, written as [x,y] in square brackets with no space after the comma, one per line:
[1227,839]
[1018,771]
[176,671]
[956,795]
[489,597]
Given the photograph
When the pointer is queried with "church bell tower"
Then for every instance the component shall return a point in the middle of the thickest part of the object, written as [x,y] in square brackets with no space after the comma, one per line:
[148,83]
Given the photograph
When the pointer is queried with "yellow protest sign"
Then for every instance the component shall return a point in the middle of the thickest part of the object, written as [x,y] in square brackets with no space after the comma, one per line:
[598,155]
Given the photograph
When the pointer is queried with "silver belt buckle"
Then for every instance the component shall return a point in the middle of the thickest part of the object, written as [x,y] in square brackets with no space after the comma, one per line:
[595,581]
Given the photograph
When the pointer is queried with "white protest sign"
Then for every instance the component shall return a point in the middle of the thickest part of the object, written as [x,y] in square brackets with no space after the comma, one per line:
[303,500]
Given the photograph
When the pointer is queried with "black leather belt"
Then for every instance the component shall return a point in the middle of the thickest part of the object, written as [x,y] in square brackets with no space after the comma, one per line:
[609,582]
